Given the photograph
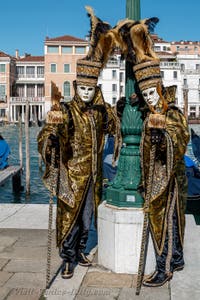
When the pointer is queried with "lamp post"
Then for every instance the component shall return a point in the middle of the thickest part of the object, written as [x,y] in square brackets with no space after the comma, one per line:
[123,191]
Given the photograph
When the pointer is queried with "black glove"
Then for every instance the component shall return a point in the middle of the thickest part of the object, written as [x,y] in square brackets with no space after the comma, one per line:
[157,136]
[54,141]
[120,106]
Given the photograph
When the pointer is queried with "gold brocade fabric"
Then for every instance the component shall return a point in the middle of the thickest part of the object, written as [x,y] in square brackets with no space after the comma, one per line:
[169,185]
[79,160]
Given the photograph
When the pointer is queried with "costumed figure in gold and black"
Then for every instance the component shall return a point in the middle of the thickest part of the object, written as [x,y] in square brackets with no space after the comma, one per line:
[78,136]
[165,130]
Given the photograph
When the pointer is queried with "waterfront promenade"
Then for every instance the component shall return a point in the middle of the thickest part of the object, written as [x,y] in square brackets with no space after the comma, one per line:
[23,248]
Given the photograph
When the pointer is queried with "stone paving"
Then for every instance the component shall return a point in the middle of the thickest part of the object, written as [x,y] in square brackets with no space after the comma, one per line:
[23,255]
[23,266]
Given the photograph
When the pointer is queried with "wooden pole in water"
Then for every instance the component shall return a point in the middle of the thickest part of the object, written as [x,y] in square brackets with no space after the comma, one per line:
[20,142]
[27,150]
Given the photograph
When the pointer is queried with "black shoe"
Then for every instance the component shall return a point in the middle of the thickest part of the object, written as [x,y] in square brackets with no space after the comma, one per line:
[67,270]
[178,267]
[157,279]
[83,260]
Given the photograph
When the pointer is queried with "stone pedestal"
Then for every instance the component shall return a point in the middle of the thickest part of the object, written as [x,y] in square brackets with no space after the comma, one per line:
[119,239]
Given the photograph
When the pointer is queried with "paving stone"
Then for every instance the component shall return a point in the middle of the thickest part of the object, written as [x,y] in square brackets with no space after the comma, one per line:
[31,266]
[95,293]
[26,281]
[99,279]
[146,293]
[26,266]
[4,292]
[21,252]
[7,241]
[25,294]
[4,277]
[3,262]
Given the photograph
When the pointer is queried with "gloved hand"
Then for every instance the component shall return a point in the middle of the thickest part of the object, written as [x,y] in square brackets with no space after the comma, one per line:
[157,136]
[54,141]
[120,106]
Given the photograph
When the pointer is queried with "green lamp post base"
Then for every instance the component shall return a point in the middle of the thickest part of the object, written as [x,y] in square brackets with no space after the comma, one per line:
[123,198]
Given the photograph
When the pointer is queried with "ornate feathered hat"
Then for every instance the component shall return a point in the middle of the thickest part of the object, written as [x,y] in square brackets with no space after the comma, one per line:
[89,68]
[147,74]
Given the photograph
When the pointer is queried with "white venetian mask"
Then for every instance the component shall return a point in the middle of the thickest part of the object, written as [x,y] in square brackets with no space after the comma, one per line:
[151,96]
[86,93]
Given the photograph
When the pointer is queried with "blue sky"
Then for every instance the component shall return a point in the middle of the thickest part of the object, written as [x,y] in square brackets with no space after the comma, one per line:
[25,24]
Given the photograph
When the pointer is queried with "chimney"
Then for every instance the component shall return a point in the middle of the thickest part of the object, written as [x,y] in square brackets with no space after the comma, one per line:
[17,53]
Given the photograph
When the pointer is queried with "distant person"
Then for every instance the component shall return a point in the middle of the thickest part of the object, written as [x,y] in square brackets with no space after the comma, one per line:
[4,153]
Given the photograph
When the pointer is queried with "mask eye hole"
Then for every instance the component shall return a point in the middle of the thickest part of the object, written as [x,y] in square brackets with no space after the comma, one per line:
[145,94]
[151,93]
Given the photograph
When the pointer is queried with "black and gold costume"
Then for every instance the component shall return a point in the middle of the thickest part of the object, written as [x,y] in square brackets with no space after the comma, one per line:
[78,164]
[168,190]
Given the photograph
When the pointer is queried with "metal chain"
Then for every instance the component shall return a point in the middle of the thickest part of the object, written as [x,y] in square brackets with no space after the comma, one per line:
[49,241]
[145,231]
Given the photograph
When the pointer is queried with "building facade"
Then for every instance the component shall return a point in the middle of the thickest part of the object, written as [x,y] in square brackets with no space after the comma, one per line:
[27,79]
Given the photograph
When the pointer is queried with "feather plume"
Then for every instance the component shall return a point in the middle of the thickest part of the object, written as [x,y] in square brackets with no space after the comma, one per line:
[133,38]
[99,40]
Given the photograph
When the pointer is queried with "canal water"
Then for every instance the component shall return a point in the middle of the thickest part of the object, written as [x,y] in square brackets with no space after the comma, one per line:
[38,193]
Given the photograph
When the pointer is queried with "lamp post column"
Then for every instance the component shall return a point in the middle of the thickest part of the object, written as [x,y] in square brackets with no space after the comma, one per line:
[123,191]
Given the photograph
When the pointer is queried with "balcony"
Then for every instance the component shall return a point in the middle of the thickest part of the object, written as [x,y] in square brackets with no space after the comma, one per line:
[191,72]
[169,65]
[29,76]
[22,100]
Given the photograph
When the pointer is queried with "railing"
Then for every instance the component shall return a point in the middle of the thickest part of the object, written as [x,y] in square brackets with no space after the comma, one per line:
[28,76]
[24,99]
[191,71]
[169,65]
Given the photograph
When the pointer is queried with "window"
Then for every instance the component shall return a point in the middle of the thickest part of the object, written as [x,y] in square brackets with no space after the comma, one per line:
[157,48]
[114,100]
[53,68]
[114,87]
[67,49]
[30,90]
[20,71]
[80,50]
[184,81]
[175,74]
[30,72]
[121,89]
[177,48]
[52,49]
[20,90]
[66,89]
[2,68]
[121,76]
[2,112]
[40,90]
[197,67]
[40,72]
[182,67]
[164,48]
[162,74]
[66,68]
[114,74]
[2,91]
